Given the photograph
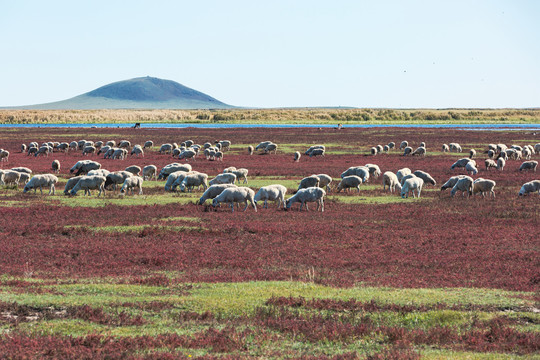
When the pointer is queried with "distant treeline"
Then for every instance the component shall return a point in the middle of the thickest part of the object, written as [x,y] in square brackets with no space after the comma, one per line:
[260,116]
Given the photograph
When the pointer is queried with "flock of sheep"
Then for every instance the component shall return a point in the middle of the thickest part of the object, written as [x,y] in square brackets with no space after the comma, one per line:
[89,175]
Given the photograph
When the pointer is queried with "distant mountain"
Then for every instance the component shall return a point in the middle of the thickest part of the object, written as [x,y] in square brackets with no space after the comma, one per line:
[138,93]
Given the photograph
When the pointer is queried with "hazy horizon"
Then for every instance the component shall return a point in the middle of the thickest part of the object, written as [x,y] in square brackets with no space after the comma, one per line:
[389,54]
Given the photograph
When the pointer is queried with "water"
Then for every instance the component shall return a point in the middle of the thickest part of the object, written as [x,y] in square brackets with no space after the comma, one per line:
[535,127]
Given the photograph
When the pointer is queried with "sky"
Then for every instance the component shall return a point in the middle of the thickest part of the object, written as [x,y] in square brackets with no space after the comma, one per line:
[392,54]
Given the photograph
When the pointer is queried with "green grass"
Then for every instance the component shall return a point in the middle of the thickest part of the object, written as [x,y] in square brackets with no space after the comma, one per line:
[134,228]
[128,200]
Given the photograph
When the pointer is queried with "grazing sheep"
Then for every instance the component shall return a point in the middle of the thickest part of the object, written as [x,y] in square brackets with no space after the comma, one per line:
[233,195]
[316,152]
[297,156]
[379,148]
[492,147]
[55,166]
[137,151]
[63,147]
[455,147]
[149,172]
[421,151]
[386,148]
[403,145]
[175,179]
[32,150]
[225,144]
[491,154]
[23,148]
[84,166]
[483,186]
[472,153]
[40,181]
[103,150]
[132,183]
[511,154]
[503,156]
[148,144]
[165,149]
[423,144]
[274,192]
[348,182]
[407,177]
[22,169]
[428,179]
[391,145]
[43,150]
[218,156]
[537,148]
[501,163]
[241,174]
[80,144]
[227,178]
[374,170]
[310,181]
[193,180]
[303,196]
[24,178]
[271,148]
[324,181]
[213,191]
[471,168]
[490,164]
[403,172]
[124,144]
[517,147]
[169,169]
[374,151]
[311,148]
[119,154]
[464,185]
[501,148]
[187,154]
[10,177]
[87,183]
[115,178]
[229,169]
[529,165]
[262,145]
[100,172]
[408,150]
[412,184]
[134,169]
[89,150]
[451,182]
[70,184]
[4,155]
[461,163]
[98,144]
[530,187]
[526,153]
[390,179]
[250,150]
[111,143]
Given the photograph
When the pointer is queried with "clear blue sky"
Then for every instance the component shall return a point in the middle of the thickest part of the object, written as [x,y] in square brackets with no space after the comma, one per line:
[459,53]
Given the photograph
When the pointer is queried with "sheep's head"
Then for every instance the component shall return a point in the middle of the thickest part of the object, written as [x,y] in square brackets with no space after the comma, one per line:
[26,189]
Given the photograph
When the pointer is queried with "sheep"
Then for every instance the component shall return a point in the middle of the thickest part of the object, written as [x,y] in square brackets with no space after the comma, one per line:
[262,145]
[464,185]
[103,150]
[472,153]
[451,182]
[490,164]
[310,194]
[175,179]
[188,143]
[33,144]
[169,169]
[134,169]
[55,166]
[310,181]
[23,148]
[317,152]
[407,151]
[526,153]
[100,172]
[131,183]
[213,191]
[471,168]
[455,147]
[84,166]
[501,148]
[250,150]
[87,183]
[22,169]
[70,184]
[360,171]
[193,180]
[4,155]
[227,178]
[124,144]
[503,156]
[9,177]
[483,186]
[374,151]
[137,151]
[40,181]
[89,150]
[491,154]
[119,154]
[391,145]
[406,177]
[412,184]
[187,154]
[209,153]
[537,148]
[73,145]
[229,169]
[517,147]
[428,179]
[149,172]
[311,148]
[421,151]
[403,145]
[270,147]
[98,144]
[115,178]
[225,144]
[351,181]
[324,181]
[501,163]
[241,174]
[80,144]
[386,148]
[529,165]
[492,147]
[165,149]
[111,143]
[148,144]
[233,195]
[88,143]
[274,192]
[24,178]
[374,170]
[390,179]
[297,156]
[461,163]
[43,150]
[530,187]
[379,148]
[511,154]
[402,172]
[207,145]
[63,147]
[32,150]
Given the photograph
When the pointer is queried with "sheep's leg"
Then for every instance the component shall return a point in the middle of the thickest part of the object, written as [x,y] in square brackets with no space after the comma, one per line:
[247,204]
[232,206]
[41,189]
[307,209]
[322,205]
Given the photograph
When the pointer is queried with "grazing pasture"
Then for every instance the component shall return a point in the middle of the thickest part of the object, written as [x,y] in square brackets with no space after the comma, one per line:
[373,276]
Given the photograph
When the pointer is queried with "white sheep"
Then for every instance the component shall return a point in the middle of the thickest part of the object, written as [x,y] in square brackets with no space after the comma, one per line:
[89,150]
[23,148]
[491,154]
[175,179]
[303,196]
[374,170]
[87,183]
[100,172]
[403,145]
[407,177]
[137,151]
[529,187]
[374,151]
[169,169]
[455,147]
[537,148]
[412,184]
[193,180]
[250,150]
[348,182]
[501,163]
[391,145]
[408,150]
[24,178]
[148,144]
[149,172]
[22,169]
[317,152]
[124,144]
[483,186]
[403,172]
[40,181]
[213,191]
[451,182]
[529,165]
[84,166]
[390,179]
[119,154]
[490,163]
[134,169]
[229,169]
[70,184]
[464,185]
[227,178]
[309,181]
[360,171]
[297,156]
[428,179]
[271,148]
[274,192]
[472,153]
[111,143]
[55,166]
[165,149]
[386,148]
[471,168]
[445,148]
[324,181]
[461,163]
[233,195]
[311,148]
[379,148]
[115,178]
[420,151]
[262,145]
[187,154]
[241,173]
[4,155]
[9,177]
[132,183]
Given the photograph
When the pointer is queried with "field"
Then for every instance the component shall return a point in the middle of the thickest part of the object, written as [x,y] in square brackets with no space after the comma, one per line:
[374,276]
